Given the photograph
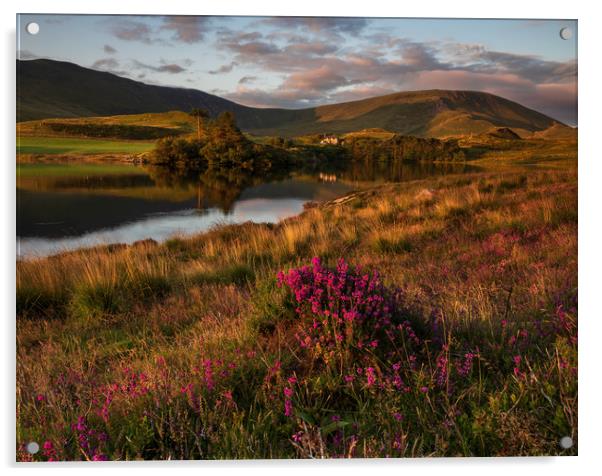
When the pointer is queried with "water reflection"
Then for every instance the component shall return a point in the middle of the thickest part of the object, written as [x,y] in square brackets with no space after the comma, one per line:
[62,207]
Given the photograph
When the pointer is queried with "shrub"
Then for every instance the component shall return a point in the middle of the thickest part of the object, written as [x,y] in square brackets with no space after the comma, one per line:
[341,311]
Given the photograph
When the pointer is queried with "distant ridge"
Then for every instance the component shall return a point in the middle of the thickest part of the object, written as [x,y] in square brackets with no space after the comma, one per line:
[56,89]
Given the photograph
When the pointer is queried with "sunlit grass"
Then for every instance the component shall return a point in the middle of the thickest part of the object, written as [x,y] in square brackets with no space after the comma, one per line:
[61,145]
[487,257]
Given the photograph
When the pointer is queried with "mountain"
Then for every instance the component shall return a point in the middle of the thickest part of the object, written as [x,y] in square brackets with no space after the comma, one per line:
[50,89]
[557,132]
[56,89]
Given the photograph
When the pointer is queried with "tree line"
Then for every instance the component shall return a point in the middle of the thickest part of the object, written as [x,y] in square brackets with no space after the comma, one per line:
[219,142]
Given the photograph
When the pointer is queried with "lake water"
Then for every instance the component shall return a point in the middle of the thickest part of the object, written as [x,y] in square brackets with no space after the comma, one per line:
[65,206]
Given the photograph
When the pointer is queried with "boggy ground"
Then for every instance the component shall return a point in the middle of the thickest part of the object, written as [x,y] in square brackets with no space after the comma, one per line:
[257,341]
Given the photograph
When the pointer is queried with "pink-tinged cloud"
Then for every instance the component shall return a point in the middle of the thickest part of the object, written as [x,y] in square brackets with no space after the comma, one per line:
[468,80]
[323,78]
[186,29]
[361,92]
[311,48]
[316,70]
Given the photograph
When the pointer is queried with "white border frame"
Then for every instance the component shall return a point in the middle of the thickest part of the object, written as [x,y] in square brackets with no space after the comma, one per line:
[590,164]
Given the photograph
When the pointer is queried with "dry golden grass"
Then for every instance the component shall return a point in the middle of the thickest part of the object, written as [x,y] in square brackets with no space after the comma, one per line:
[474,249]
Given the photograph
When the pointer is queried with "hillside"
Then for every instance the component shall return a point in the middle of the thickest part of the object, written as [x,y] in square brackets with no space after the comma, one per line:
[54,89]
[146,126]
[557,132]
[51,89]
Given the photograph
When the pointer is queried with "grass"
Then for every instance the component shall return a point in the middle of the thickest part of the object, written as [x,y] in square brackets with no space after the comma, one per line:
[190,349]
[153,125]
[73,146]
[27,170]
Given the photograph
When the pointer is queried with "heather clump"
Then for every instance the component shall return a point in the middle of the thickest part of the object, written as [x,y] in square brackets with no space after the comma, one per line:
[342,312]
[406,374]
[463,345]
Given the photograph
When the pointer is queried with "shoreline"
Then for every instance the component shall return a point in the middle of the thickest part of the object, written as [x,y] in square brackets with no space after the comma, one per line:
[485,168]
[490,256]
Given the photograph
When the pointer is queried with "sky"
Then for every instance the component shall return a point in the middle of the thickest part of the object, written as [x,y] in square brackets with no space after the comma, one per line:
[298,62]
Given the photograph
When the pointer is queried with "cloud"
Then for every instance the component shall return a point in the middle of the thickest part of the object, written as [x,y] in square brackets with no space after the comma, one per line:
[324,78]
[164,67]
[275,98]
[109,49]
[105,64]
[186,29]
[530,67]
[475,57]
[110,65]
[315,70]
[556,100]
[317,60]
[330,25]
[247,79]
[418,56]
[253,48]
[311,48]
[226,68]
[363,91]
[130,30]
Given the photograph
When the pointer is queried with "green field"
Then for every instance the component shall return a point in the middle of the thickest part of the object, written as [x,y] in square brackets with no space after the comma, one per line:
[70,170]
[59,145]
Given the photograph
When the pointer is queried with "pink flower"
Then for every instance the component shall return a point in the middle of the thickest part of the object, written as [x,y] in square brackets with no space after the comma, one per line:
[424,389]
[338,303]
[398,416]
[370,378]
[288,408]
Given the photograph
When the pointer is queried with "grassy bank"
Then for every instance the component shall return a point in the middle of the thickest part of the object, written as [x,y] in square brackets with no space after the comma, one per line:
[463,344]
[79,146]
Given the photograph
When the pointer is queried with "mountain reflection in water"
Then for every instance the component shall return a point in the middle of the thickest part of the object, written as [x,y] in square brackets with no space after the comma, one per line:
[68,206]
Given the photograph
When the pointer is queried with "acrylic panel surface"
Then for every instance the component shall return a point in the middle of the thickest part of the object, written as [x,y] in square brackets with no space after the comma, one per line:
[295,237]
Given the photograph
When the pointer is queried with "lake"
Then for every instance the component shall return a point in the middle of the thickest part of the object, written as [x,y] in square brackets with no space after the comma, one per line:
[66,206]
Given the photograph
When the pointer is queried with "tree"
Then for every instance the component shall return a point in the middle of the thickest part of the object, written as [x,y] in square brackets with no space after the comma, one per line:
[200,115]
[227,121]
